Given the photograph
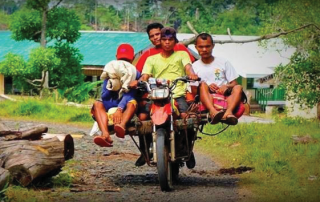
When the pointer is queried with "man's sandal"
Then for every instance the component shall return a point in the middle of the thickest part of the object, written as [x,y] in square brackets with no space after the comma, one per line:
[230,120]
[215,118]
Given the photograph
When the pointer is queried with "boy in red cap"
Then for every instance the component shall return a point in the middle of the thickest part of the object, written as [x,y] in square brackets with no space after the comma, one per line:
[115,94]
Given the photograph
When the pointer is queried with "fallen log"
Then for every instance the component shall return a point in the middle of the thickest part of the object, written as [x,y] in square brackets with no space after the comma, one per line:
[4,178]
[30,134]
[29,160]
[3,127]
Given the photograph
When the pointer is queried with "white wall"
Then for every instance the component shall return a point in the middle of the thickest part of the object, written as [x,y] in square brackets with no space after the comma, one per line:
[294,110]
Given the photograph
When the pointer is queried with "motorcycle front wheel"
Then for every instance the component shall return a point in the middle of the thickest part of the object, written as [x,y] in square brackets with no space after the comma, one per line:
[163,163]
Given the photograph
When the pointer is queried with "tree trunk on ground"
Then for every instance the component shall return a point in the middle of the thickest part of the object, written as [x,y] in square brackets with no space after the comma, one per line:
[30,134]
[28,160]
[3,127]
[4,178]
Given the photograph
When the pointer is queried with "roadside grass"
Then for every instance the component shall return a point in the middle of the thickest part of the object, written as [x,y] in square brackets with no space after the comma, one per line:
[44,110]
[283,170]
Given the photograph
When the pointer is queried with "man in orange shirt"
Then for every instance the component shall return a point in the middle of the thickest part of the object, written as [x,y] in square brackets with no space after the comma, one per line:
[154,33]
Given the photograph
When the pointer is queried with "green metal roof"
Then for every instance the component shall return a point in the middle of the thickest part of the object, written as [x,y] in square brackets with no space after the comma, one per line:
[98,48]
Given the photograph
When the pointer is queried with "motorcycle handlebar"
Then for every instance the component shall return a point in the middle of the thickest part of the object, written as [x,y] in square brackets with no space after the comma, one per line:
[199,79]
[186,79]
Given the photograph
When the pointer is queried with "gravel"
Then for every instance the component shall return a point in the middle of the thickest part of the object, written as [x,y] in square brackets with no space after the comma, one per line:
[109,174]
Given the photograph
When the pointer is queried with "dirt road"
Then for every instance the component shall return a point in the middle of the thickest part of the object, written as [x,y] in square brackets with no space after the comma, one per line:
[109,174]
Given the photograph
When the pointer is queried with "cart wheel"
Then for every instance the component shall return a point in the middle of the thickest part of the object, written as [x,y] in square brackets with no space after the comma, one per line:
[163,163]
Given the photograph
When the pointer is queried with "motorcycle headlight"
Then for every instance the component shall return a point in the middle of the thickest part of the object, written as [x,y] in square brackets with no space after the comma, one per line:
[159,93]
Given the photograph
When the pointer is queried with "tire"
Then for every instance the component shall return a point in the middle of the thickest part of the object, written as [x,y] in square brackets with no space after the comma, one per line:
[163,163]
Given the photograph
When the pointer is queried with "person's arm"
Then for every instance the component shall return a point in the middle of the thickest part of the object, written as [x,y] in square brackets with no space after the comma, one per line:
[188,67]
[231,76]
[190,72]
[222,89]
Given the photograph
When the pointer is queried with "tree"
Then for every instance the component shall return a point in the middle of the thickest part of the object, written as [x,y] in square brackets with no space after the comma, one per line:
[41,23]
[301,76]
[40,59]
[107,18]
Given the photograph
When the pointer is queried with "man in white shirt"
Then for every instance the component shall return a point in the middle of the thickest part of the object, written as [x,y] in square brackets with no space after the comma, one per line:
[217,76]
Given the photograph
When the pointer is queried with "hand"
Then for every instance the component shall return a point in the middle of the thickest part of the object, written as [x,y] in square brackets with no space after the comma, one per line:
[133,84]
[193,77]
[213,88]
[117,116]
[222,89]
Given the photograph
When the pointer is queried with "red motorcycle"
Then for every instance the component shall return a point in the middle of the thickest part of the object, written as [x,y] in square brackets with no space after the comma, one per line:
[172,138]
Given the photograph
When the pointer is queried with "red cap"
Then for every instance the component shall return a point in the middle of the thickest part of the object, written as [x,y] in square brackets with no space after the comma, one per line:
[125,51]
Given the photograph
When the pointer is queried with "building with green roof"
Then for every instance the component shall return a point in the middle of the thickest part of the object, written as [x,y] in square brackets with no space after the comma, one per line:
[97,48]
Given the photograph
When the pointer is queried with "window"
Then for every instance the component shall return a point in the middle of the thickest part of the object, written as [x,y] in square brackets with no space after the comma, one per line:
[250,82]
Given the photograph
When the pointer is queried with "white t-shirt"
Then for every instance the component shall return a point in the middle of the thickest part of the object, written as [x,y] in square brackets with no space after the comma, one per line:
[220,72]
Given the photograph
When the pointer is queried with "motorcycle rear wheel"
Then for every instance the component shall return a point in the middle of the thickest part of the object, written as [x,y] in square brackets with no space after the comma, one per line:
[163,163]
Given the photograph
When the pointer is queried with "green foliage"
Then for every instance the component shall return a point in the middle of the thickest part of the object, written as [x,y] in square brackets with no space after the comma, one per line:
[240,22]
[301,76]
[25,24]
[38,5]
[69,72]
[107,18]
[40,59]
[80,93]
[43,59]
[63,25]
[13,65]
[63,179]
[62,61]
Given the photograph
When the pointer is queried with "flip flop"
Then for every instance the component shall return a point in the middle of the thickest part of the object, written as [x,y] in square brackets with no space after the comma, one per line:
[101,142]
[216,118]
[120,131]
[230,120]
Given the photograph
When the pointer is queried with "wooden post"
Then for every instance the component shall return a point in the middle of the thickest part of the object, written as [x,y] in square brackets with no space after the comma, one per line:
[1,84]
